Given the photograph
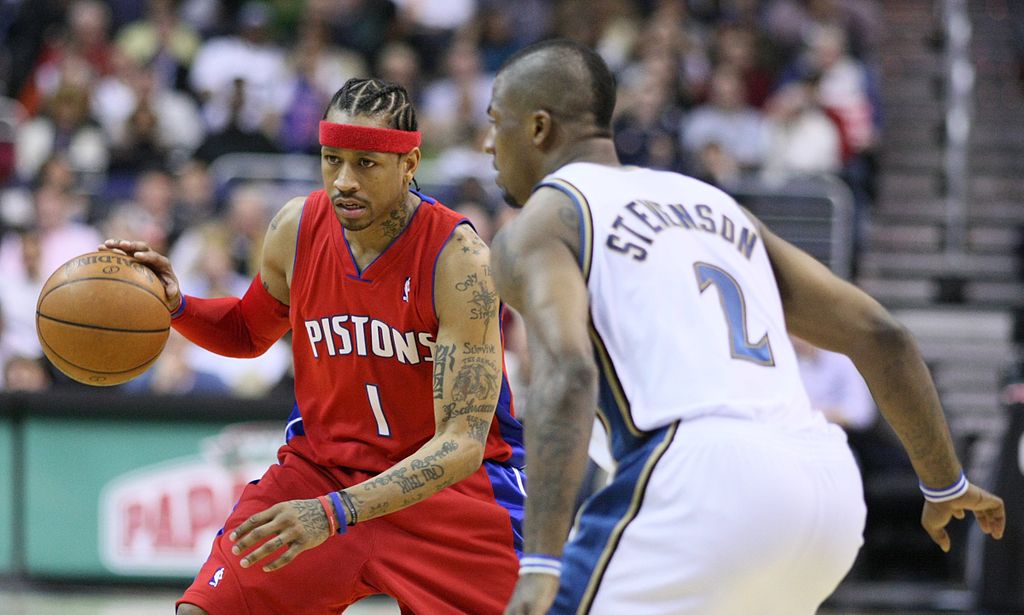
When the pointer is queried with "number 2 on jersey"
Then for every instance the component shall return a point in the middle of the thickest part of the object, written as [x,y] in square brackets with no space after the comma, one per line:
[383,429]
[734,307]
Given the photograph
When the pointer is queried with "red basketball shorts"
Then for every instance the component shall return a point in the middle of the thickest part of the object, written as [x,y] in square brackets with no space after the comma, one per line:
[454,552]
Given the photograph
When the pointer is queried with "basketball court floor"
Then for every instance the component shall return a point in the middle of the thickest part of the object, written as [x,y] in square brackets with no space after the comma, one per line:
[78,601]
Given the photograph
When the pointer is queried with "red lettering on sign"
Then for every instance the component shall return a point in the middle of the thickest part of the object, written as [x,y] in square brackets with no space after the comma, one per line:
[133,522]
[202,511]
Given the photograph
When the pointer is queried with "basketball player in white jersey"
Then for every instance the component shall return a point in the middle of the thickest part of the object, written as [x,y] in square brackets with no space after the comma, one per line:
[657,298]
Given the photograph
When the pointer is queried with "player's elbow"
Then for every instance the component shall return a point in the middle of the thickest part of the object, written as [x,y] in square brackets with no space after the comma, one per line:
[887,334]
[576,375]
[473,452]
[466,438]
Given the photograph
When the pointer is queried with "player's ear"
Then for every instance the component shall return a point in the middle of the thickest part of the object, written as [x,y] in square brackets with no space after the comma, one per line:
[541,127]
[409,163]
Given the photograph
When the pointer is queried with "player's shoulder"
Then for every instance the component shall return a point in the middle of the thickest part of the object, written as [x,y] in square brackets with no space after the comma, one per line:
[289,214]
[550,214]
[464,247]
[280,242]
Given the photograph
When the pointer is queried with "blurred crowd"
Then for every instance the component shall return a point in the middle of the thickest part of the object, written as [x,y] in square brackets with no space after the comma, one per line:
[115,113]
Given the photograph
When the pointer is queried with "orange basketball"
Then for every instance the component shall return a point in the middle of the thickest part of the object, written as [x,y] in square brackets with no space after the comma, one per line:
[101,318]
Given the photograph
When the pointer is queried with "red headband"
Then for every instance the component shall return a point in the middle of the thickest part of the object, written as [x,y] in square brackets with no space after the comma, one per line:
[368,138]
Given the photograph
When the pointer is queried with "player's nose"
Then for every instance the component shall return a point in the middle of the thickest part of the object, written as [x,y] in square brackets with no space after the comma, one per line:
[489,141]
[345,181]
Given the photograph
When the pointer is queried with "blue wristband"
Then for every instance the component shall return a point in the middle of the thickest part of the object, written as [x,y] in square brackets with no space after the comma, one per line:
[338,511]
[945,494]
[181,308]
[535,563]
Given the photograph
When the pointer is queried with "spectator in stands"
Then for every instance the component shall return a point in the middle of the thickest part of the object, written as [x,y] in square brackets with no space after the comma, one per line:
[479,216]
[234,137]
[24,374]
[647,127]
[174,374]
[195,198]
[241,78]
[843,87]
[456,104]
[728,121]
[315,69]
[141,146]
[60,231]
[212,273]
[137,110]
[801,138]
[494,35]
[835,387]
[129,217]
[671,45]
[789,22]
[716,166]
[736,46]
[400,63]
[161,41]
[22,272]
[845,91]
[75,56]
[246,218]
[65,129]
[838,391]
[365,26]
[57,173]
[431,25]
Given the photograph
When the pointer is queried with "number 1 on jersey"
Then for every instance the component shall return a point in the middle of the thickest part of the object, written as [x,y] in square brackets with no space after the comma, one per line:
[735,308]
[383,429]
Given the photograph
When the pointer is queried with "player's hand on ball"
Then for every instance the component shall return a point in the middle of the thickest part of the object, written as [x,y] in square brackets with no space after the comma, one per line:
[298,525]
[159,263]
[534,595]
[987,508]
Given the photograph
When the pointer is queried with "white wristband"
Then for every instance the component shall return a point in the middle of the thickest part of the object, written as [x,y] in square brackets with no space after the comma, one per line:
[540,564]
[946,494]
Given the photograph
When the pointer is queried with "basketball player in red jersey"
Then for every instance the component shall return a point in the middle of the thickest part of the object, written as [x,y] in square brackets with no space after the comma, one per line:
[402,439]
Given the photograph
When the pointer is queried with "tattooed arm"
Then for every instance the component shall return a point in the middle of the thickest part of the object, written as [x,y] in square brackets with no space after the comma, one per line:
[535,268]
[467,382]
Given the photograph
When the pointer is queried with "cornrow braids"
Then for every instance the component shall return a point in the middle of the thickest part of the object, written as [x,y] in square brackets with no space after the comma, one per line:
[375,97]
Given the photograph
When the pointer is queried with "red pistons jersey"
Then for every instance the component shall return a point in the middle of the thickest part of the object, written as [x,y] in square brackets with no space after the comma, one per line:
[363,343]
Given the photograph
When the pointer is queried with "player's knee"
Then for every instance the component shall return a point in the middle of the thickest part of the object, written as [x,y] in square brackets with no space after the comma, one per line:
[189,609]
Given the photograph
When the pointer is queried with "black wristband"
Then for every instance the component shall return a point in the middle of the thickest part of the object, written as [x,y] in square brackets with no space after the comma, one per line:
[347,500]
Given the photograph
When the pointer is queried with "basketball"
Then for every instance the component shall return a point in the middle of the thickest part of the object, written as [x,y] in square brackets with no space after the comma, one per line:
[101,318]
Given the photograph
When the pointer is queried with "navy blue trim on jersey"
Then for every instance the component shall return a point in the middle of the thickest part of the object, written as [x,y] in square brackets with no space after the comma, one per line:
[509,426]
[294,425]
[298,234]
[428,199]
[585,223]
[602,522]
[621,440]
[613,405]
[355,263]
[509,485]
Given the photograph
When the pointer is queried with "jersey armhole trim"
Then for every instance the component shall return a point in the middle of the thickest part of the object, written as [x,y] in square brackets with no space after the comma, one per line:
[298,236]
[586,222]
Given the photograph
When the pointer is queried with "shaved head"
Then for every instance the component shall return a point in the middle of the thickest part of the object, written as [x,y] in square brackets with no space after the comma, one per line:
[567,79]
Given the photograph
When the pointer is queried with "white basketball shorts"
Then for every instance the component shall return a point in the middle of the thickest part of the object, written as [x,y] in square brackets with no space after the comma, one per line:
[718,516]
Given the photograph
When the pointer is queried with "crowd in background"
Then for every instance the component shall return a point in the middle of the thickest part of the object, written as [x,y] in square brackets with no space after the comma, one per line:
[116,111]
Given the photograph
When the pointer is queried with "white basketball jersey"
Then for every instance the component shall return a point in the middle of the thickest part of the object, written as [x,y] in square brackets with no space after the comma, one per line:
[686,315]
